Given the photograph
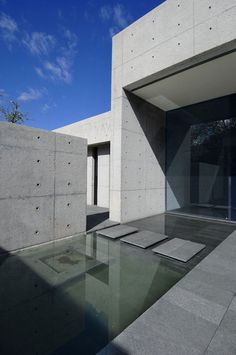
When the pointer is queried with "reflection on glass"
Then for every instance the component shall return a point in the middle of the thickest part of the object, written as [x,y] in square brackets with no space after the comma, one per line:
[201,160]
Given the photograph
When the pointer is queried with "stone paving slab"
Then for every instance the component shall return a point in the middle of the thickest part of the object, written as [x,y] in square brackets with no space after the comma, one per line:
[144,239]
[117,231]
[179,249]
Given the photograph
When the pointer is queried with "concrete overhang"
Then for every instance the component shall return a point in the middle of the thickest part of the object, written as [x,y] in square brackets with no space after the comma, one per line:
[212,79]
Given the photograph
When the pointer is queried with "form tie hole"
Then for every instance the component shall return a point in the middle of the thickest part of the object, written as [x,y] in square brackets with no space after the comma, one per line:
[37,208]
[38,137]
[69,142]
[210,28]
[68,204]
[38,184]
[68,226]
[38,161]
[69,184]
[69,163]
[36,232]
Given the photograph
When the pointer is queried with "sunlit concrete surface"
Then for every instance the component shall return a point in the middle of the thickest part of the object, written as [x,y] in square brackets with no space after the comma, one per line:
[43,186]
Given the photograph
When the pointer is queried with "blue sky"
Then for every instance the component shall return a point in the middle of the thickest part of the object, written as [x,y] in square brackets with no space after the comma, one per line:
[55,55]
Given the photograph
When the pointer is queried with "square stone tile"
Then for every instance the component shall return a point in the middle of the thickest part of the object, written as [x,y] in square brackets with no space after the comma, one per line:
[174,324]
[117,231]
[144,239]
[179,249]
[195,304]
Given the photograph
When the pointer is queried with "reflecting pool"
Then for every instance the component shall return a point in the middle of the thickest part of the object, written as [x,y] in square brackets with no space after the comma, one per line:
[74,296]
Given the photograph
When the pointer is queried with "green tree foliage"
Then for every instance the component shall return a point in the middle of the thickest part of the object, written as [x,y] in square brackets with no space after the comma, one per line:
[13,114]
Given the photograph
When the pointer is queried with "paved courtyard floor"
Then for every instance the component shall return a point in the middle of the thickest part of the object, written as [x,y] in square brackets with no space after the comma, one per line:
[198,314]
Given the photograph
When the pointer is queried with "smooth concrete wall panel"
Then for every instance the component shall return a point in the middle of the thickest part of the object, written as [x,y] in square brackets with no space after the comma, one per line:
[207,9]
[95,129]
[37,204]
[26,221]
[67,222]
[25,137]
[103,189]
[215,31]
[70,176]
[117,53]
[90,177]
[166,54]
[141,147]
[171,33]
[15,162]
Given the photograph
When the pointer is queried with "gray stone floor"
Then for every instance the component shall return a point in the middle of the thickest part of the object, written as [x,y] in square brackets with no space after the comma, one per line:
[196,316]
[117,231]
[179,249]
[208,232]
[98,218]
[144,239]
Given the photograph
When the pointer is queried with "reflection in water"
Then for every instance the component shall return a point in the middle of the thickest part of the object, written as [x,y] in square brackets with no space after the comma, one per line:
[74,296]
[201,159]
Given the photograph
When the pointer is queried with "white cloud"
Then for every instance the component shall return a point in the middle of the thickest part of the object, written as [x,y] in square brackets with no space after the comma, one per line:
[60,68]
[57,70]
[121,17]
[71,43]
[8,28]
[39,43]
[31,94]
[105,12]
[117,15]
[46,107]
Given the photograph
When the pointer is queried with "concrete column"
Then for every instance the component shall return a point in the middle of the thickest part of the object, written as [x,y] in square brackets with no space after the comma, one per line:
[90,177]
[103,152]
[138,159]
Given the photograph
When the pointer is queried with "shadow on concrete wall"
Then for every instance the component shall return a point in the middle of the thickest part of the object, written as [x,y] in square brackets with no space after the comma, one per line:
[152,121]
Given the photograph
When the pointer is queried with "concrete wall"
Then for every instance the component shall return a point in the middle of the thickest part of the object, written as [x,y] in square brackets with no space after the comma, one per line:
[138,178]
[174,36]
[171,33]
[102,154]
[103,175]
[95,129]
[43,186]
[90,176]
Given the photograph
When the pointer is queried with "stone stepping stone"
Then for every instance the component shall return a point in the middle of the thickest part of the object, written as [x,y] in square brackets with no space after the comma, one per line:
[179,249]
[117,231]
[144,239]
